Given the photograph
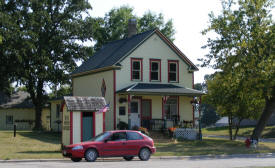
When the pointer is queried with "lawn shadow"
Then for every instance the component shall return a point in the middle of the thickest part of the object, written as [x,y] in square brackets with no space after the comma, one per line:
[40,152]
[270,133]
[49,137]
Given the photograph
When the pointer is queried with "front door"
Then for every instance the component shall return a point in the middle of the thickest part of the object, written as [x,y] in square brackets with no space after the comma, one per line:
[146,113]
[87,126]
[135,114]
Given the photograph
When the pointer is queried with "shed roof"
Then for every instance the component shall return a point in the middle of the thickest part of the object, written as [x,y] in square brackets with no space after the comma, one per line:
[113,52]
[160,89]
[77,103]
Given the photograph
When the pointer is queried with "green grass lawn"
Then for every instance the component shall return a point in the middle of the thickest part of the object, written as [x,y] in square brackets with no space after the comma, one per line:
[35,145]
[269,131]
[29,145]
[210,146]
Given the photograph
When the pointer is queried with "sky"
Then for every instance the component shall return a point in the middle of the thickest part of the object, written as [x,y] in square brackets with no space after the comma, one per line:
[189,18]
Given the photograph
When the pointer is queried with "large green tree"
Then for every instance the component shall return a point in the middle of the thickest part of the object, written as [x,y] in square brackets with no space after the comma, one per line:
[41,42]
[114,26]
[209,115]
[244,50]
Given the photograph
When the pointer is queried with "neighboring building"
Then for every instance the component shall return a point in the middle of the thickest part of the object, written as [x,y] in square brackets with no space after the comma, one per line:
[245,122]
[18,109]
[56,114]
[145,78]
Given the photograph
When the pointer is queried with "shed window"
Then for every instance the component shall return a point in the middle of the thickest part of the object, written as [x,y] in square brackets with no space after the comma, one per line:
[9,119]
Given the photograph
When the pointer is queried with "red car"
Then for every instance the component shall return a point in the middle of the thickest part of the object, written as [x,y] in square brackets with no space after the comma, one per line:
[122,143]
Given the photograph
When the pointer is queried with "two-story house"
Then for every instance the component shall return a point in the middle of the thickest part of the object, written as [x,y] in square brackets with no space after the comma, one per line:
[145,79]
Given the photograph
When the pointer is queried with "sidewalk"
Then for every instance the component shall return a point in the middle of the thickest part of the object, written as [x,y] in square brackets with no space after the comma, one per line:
[271,140]
[200,157]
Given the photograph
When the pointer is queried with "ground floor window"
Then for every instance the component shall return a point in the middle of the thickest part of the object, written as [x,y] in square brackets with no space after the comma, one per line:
[171,108]
[9,119]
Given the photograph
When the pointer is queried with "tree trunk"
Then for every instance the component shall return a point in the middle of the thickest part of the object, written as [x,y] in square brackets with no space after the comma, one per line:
[237,128]
[267,112]
[38,121]
[230,126]
[38,101]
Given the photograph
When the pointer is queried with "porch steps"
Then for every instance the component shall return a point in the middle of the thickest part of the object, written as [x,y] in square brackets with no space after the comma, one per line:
[159,136]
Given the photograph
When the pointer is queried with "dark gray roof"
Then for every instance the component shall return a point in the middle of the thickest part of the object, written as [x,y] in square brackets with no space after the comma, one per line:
[160,89]
[19,99]
[112,52]
[76,103]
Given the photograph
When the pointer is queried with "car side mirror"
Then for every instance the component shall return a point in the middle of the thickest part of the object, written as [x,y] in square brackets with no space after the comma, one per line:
[106,140]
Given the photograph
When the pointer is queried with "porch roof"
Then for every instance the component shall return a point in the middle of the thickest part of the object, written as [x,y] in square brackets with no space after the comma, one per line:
[159,89]
[77,103]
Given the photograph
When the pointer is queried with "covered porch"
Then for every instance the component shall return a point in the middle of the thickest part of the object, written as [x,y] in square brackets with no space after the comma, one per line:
[156,106]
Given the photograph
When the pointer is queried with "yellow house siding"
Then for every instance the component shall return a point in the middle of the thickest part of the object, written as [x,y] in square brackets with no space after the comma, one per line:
[153,48]
[54,118]
[123,118]
[45,118]
[186,109]
[90,85]
[156,106]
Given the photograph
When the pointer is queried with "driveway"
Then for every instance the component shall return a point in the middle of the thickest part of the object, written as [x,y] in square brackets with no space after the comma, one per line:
[233,161]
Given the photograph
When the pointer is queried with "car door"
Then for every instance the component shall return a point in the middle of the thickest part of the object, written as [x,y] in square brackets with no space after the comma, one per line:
[115,145]
[134,143]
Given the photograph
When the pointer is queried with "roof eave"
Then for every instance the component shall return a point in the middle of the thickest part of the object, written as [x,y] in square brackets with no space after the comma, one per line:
[96,71]
[161,93]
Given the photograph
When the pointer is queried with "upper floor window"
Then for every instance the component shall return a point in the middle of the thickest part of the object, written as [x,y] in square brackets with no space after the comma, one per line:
[173,71]
[136,69]
[155,70]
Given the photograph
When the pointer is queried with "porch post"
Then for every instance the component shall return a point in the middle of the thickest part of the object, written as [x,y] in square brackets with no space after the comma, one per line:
[129,111]
[200,134]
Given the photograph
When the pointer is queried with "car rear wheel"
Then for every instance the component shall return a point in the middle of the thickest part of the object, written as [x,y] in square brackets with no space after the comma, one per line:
[91,155]
[144,154]
[76,159]
[128,158]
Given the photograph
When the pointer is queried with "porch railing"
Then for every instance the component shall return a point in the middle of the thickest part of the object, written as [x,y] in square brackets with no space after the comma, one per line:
[161,124]
[158,124]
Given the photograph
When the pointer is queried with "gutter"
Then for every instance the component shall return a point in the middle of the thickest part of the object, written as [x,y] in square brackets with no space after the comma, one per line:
[96,71]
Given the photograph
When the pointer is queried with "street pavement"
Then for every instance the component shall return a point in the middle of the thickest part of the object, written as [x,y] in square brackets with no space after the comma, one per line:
[220,161]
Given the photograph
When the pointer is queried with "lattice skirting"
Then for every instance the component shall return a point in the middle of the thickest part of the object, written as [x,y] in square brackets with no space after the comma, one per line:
[186,133]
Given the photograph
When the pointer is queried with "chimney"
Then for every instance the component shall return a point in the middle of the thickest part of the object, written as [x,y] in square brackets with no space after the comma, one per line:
[132,27]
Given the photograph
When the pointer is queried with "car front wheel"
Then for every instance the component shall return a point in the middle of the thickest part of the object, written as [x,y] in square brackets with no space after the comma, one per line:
[144,154]
[91,155]
[128,158]
[76,159]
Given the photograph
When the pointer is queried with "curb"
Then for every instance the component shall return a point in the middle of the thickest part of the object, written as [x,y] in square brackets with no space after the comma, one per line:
[259,155]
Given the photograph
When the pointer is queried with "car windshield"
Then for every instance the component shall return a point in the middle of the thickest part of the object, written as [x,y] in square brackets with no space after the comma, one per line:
[101,137]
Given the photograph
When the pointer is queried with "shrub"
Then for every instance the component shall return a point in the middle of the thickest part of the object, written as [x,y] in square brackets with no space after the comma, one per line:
[144,130]
[122,125]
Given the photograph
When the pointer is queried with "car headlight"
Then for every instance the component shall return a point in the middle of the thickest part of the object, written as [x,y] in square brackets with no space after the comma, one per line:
[77,147]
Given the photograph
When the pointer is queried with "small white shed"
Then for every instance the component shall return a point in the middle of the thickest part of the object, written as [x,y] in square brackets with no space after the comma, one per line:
[82,118]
